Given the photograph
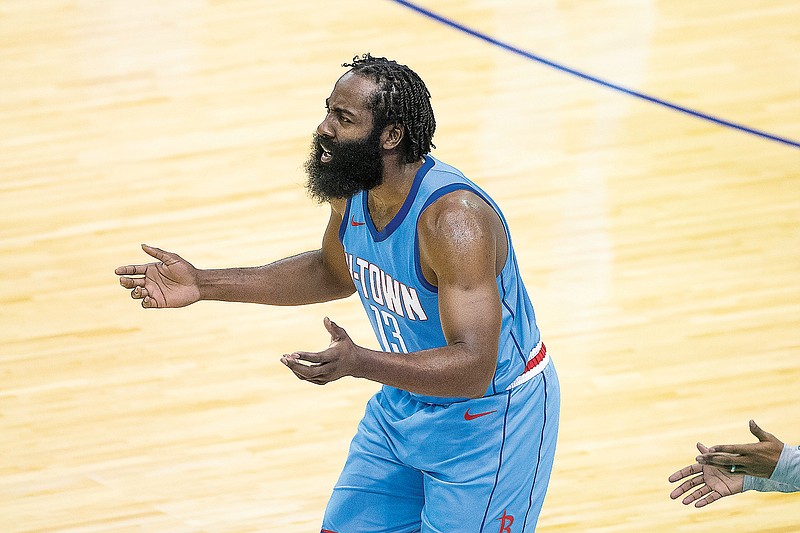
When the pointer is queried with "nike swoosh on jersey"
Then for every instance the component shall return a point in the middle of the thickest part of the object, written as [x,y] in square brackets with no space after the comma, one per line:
[354,223]
[471,416]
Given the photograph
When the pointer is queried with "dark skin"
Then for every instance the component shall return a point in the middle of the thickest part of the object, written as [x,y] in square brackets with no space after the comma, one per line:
[756,459]
[715,479]
[463,248]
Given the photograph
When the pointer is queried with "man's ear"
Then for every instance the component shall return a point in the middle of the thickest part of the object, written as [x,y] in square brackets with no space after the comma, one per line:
[392,136]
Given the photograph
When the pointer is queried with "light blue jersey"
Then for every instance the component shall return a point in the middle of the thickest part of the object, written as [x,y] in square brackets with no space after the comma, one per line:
[400,303]
[421,464]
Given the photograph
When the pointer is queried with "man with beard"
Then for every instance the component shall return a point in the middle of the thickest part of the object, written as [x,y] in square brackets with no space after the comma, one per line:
[462,435]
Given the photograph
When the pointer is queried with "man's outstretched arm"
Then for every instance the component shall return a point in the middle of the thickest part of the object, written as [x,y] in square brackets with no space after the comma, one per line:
[315,276]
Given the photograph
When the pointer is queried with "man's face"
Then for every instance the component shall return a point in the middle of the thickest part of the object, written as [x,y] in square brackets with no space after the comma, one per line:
[346,151]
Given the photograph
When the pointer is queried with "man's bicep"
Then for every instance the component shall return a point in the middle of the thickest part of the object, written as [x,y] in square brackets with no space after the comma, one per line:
[458,244]
[471,315]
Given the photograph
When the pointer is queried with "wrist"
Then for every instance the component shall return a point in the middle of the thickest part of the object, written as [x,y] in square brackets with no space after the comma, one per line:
[358,362]
[205,285]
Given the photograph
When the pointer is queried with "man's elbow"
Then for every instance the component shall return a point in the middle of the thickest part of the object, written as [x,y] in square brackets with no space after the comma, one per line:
[479,385]
[343,291]
[477,370]
[475,395]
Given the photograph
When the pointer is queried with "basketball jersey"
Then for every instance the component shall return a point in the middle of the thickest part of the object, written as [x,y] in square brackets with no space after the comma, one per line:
[402,305]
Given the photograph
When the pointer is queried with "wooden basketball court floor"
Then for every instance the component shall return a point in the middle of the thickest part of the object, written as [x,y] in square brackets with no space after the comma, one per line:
[661,249]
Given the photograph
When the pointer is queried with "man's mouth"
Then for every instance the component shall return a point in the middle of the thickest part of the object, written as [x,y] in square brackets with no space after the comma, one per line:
[326,154]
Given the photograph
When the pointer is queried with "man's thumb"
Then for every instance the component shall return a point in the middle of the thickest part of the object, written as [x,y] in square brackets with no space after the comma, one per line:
[336,332]
[760,433]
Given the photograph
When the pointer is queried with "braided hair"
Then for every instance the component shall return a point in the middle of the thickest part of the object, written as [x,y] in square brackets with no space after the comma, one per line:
[403,99]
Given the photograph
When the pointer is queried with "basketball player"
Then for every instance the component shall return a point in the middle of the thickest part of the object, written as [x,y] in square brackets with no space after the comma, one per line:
[462,435]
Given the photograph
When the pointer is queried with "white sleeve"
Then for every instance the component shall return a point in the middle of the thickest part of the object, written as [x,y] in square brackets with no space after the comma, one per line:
[787,470]
[785,477]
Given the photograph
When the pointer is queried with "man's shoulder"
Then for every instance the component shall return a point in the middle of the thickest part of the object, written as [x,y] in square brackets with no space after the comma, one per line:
[440,166]
[447,186]
[458,213]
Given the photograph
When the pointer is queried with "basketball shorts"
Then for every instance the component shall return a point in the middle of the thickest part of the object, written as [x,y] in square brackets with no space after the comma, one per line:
[475,466]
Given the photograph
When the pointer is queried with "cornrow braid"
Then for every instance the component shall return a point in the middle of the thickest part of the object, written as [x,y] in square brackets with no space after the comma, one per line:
[402,98]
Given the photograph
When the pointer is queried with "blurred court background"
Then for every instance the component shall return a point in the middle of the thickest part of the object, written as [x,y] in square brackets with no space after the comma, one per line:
[662,251]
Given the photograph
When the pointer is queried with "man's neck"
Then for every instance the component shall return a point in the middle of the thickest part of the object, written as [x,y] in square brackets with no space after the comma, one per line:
[386,199]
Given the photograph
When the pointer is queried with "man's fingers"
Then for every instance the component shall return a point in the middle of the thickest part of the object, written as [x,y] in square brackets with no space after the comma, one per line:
[148,302]
[303,371]
[720,459]
[696,495]
[685,472]
[139,292]
[679,491]
[687,486]
[711,498]
[141,270]
[299,376]
[731,449]
[676,493]
[158,253]
[130,283]
[308,356]
[131,270]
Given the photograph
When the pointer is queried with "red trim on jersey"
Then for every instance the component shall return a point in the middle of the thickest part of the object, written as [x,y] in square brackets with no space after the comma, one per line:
[538,358]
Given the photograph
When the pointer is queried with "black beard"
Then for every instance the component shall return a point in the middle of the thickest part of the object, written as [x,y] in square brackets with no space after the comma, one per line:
[354,166]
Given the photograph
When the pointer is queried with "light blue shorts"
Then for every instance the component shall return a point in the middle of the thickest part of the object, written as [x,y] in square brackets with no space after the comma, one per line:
[476,466]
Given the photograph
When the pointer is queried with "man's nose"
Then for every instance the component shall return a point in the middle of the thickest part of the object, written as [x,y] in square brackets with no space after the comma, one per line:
[324,128]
